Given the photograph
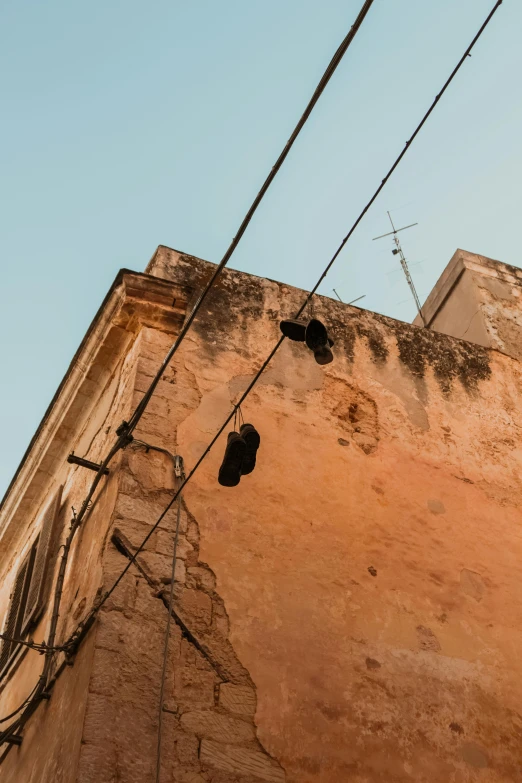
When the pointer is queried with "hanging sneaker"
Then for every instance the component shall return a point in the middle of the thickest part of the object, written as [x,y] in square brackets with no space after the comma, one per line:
[318,342]
[230,470]
[323,354]
[251,437]
[294,330]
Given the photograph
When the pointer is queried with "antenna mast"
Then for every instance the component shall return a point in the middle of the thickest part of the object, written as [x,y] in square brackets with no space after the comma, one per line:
[398,251]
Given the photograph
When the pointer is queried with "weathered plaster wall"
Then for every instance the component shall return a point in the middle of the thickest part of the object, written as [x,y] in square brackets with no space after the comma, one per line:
[52,738]
[51,745]
[210,699]
[369,564]
[350,612]
[461,314]
[500,292]
[93,400]
[101,720]
[478,299]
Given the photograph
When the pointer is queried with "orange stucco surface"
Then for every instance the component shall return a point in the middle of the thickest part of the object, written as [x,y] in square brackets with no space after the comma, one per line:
[350,613]
[373,462]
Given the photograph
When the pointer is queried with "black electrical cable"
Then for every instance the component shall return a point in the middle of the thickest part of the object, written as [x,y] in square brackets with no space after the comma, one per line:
[86,624]
[83,627]
[126,430]
[330,70]
[40,647]
[12,729]
[403,153]
[22,705]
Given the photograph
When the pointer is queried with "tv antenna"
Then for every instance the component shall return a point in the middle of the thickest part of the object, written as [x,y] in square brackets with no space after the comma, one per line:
[397,250]
[353,300]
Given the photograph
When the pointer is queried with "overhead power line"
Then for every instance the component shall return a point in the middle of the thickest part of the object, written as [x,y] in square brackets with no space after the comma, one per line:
[336,59]
[38,647]
[18,709]
[127,428]
[84,626]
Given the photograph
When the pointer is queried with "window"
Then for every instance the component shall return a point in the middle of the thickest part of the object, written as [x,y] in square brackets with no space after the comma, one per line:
[31,585]
[15,613]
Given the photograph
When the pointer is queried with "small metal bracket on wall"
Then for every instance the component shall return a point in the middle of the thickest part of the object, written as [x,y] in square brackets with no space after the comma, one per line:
[178,466]
[85,463]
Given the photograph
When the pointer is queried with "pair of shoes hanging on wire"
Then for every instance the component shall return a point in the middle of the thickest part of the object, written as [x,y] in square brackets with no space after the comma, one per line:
[240,455]
[242,446]
[314,334]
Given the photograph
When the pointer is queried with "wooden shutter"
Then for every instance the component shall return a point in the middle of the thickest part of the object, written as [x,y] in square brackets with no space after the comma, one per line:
[13,622]
[37,594]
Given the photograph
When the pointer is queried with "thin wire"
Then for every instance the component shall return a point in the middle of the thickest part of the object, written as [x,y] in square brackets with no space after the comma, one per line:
[125,430]
[84,625]
[150,447]
[402,154]
[81,629]
[330,70]
[39,647]
[166,646]
[22,705]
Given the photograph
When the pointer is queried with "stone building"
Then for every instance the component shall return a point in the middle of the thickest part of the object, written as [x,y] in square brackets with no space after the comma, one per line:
[350,613]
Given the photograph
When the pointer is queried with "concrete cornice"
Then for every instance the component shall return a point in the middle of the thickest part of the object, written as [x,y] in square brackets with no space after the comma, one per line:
[134,300]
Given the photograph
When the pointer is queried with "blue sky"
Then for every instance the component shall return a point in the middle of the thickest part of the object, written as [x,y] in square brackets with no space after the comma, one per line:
[132,124]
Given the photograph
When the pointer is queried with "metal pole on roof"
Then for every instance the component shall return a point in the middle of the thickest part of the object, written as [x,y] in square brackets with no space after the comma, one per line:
[398,251]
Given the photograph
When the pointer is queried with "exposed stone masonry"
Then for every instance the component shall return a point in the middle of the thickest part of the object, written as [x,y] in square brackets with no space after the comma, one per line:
[209,733]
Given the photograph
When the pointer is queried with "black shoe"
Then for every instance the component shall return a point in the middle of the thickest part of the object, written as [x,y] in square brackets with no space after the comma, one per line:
[230,470]
[318,341]
[294,330]
[251,437]
[323,354]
